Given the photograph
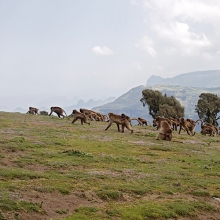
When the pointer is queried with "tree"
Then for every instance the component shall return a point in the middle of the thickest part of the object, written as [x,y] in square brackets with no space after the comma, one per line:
[160,105]
[208,107]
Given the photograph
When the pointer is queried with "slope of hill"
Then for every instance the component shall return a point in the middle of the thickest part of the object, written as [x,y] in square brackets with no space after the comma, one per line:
[53,169]
[206,79]
[129,103]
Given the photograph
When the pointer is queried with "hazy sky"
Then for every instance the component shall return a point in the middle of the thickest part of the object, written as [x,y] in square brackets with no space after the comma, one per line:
[99,48]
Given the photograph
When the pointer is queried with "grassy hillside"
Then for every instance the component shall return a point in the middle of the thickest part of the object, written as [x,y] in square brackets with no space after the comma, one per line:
[52,169]
[129,103]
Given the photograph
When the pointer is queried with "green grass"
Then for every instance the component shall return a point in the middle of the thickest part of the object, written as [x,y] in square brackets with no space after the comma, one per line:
[108,175]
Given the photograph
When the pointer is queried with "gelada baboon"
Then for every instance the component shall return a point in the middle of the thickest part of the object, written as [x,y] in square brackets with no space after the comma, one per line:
[136,119]
[143,121]
[188,125]
[122,120]
[208,129]
[78,115]
[59,111]
[174,123]
[157,121]
[96,116]
[33,111]
[165,132]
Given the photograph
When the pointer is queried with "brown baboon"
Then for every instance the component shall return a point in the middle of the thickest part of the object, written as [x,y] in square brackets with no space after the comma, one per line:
[59,111]
[122,120]
[165,132]
[188,125]
[215,127]
[143,121]
[174,123]
[100,117]
[105,117]
[33,111]
[191,121]
[139,122]
[208,129]
[157,121]
[95,117]
[78,115]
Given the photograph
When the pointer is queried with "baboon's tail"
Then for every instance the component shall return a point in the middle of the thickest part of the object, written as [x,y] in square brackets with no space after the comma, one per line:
[137,120]
[66,114]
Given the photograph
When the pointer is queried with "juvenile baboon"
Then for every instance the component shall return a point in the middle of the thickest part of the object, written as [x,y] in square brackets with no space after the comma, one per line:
[33,111]
[188,125]
[122,120]
[78,115]
[59,111]
[143,121]
[165,131]
[157,121]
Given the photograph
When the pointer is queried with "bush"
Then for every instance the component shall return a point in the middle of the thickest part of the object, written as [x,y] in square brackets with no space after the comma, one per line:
[43,113]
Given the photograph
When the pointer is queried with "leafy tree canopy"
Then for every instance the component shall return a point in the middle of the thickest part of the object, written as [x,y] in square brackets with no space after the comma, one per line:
[160,105]
[208,107]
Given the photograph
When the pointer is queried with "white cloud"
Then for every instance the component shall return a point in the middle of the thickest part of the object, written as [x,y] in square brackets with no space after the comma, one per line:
[103,51]
[178,38]
[197,10]
[147,45]
[183,27]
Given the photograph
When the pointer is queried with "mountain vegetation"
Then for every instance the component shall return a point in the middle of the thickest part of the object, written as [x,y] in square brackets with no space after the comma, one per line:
[186,88]
[208,108]
[130,104]
[161,105]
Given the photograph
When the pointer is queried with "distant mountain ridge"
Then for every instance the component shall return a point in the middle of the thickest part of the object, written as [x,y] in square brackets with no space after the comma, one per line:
[80,104]
[204,79]
[129,103]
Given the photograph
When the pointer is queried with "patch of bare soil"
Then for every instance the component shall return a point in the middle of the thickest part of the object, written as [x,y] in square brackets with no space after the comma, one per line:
[55,203]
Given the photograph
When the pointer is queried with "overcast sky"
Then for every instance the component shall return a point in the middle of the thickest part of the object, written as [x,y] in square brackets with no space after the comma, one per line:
[102,48]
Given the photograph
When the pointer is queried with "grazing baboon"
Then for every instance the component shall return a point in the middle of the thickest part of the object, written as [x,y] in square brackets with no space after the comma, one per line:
[157,121]
[143,121]
[188,125]
[78,115]
[59,111]
[165,132]
[208,129]
[33,111]
[122,120]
